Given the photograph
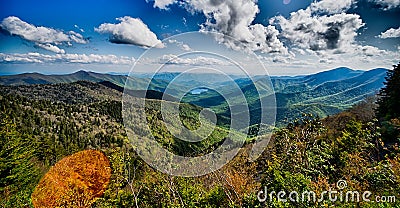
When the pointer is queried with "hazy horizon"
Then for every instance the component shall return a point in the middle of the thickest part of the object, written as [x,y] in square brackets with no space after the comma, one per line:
[147,73]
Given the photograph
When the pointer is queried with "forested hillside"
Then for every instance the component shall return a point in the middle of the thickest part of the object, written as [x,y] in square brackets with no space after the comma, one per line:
[324,93]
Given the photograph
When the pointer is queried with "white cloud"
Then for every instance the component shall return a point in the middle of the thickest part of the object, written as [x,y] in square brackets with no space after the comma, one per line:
[306,28]
[80,29]
[324,32]
[65,58]
[46,38]
[362,57]
[130,31]
[331,6]
[367,56]
[390,33]
[49,47]
[321,36]
[186,47]
[317,33]
[163,4]
[233,18]
[387,4]
[181,45]
[197,61]
[76,37]
[370,51]
[265,39]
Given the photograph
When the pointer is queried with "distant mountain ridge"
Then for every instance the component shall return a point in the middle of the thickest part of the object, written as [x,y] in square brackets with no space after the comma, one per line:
[119,79]
[37,78]
[324,93]
[332,75]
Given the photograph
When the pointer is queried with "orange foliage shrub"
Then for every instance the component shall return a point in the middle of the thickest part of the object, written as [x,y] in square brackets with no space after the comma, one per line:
[74,181]
[395,166]
[239,176]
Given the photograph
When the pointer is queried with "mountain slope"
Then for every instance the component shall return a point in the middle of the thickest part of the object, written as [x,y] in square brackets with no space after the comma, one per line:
[83,103]
[36,78]
[323,93]
[331,75]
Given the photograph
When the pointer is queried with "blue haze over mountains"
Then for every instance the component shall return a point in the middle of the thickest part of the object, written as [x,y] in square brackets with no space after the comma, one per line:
[322,94]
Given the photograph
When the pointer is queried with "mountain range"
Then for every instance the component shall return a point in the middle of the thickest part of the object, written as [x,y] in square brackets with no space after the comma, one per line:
[324,93]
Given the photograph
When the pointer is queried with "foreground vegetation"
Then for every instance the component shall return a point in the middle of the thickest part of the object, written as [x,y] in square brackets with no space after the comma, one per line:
[310,154]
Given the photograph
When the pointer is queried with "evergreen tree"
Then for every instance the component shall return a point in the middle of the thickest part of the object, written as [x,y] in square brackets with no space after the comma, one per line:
[389,101]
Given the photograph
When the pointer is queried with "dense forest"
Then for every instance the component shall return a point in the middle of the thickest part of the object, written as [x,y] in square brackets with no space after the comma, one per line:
[47,127]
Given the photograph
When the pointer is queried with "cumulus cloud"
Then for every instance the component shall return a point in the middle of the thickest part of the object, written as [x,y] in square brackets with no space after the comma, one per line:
[370,51]
[233,19]
[181,45]
[43,37]
[387,4]
[308,31]
[186,47]
[331,6]
[390,33]
[65,58]
[367,55]
[324,31]
[50,47]
[76,37]
[361,57]
[130,31]
[163,4]
[197,61]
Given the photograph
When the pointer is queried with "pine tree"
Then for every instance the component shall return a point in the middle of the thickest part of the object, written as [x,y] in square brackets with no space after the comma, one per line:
[389,101]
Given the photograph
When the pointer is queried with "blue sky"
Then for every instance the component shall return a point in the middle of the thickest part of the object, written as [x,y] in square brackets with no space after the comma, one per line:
[288,36]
